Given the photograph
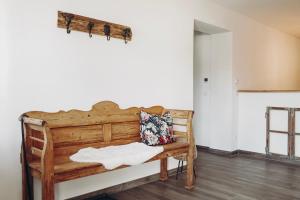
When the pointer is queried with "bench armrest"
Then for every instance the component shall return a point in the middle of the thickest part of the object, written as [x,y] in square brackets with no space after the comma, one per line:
[36,132]
[37,122]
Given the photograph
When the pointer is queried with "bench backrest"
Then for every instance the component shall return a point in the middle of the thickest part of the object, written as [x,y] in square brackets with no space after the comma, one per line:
[105,124]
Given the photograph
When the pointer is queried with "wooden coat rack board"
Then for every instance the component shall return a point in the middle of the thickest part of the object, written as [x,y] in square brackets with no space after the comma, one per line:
[92,26]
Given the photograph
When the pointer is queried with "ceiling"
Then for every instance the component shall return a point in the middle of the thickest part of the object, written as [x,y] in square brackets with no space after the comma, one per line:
[283,15]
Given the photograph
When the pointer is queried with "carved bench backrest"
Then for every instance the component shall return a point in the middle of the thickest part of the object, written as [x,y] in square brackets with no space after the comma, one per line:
[105,124]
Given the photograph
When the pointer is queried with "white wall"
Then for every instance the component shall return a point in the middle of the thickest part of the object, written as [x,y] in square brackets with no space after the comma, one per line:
[73,71]
[5,149]
[252,122]
[213,100]
[259,52]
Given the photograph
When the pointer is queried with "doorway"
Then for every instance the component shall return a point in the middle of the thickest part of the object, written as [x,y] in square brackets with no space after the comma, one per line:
[213,87]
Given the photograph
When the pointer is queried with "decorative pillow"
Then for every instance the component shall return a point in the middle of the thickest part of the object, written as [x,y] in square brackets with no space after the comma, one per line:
[155,129]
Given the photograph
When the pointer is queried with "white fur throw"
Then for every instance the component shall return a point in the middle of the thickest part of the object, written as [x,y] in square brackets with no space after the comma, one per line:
[112,157]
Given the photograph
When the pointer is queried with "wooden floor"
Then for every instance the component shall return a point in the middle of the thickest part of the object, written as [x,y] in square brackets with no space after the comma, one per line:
[223,178]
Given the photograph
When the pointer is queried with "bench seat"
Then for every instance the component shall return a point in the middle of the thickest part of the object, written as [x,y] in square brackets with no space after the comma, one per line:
[64,165]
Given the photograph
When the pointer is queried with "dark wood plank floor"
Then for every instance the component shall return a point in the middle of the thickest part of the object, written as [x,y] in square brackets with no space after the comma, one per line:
[222,178]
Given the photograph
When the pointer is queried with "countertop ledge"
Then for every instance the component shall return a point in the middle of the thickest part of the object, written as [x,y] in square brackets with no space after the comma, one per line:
[269,91]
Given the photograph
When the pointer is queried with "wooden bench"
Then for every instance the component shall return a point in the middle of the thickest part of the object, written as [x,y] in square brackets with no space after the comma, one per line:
[50,138]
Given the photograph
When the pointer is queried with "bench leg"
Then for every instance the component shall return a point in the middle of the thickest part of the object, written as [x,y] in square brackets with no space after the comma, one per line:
[164,169]
[47,188]
[190,171]
[25,180]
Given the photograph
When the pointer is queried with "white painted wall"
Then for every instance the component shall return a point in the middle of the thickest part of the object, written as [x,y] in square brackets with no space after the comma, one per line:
[5,148]
[213,100]
[259,52]
[73,71]
[252,123]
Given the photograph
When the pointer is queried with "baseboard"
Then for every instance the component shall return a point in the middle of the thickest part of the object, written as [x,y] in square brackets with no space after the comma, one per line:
[249,154]
[230,154]
[123,186]
[279,158]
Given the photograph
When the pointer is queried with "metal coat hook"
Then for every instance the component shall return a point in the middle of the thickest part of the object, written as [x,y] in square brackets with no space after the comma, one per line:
[90,26]
[68,19]
[126,34]
[107,31]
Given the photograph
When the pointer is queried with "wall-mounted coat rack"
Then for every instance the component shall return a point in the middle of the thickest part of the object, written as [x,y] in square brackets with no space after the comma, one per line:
[92,26]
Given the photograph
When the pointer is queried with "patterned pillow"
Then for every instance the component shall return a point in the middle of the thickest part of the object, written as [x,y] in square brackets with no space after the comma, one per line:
[155,129]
